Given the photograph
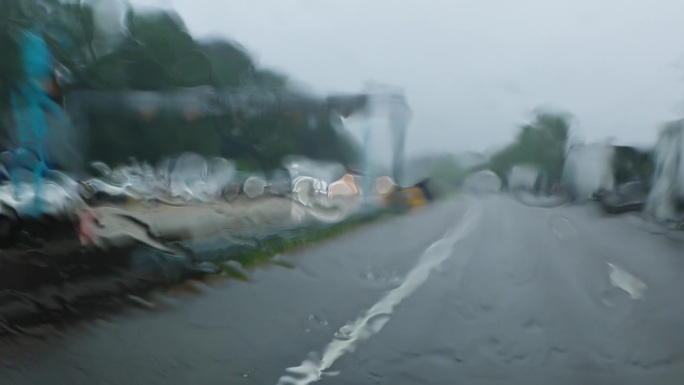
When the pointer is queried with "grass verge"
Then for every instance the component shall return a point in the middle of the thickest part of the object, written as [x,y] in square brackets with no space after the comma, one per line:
[291,240]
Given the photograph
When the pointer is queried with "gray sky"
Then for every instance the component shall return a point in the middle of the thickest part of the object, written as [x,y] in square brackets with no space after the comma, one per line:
[474,70]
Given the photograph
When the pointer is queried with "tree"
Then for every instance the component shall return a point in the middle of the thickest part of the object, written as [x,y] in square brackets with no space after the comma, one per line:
[157,54]
[541,142]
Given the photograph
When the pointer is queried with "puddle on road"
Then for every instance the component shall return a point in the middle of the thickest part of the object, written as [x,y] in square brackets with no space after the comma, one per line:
[383,277]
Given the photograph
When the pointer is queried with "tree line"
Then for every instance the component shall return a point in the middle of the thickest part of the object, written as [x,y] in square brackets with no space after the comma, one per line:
[545,142]
[156,53]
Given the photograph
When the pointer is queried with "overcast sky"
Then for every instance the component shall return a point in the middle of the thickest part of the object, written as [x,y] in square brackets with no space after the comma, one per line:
[474,70]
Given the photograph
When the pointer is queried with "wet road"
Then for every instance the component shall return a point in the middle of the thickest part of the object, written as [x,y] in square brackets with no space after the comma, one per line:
[479,290]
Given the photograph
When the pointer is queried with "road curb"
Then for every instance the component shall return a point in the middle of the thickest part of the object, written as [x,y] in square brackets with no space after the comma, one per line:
[42,286]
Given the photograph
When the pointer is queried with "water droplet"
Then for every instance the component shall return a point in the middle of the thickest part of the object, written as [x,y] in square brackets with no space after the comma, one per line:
[563,228]
[141,302]
[533,326]
[317,320]
[344,333]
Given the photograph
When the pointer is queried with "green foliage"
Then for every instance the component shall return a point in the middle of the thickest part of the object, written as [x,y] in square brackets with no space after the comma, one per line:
[10,65]
[292,240]
[630,163]
[229,63]
[157,54]
[541,142]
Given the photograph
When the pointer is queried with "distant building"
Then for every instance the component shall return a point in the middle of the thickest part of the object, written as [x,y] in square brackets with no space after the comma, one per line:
[591,168]
[524,177]
[588,169]
[667,191]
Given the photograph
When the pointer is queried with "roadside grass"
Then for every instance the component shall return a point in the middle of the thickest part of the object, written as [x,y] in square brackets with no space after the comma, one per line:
[249,257]
[145,271]
[291,240]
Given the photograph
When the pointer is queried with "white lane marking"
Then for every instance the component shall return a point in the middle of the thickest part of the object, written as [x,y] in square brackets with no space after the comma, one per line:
[620,278]
[350,335]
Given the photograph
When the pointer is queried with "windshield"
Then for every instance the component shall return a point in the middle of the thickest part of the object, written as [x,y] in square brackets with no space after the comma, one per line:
[345,192]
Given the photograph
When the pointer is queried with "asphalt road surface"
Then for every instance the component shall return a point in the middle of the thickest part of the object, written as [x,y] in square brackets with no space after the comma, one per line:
[477,290]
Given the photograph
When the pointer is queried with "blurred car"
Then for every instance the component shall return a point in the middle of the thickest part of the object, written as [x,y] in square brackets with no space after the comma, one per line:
[629,196]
